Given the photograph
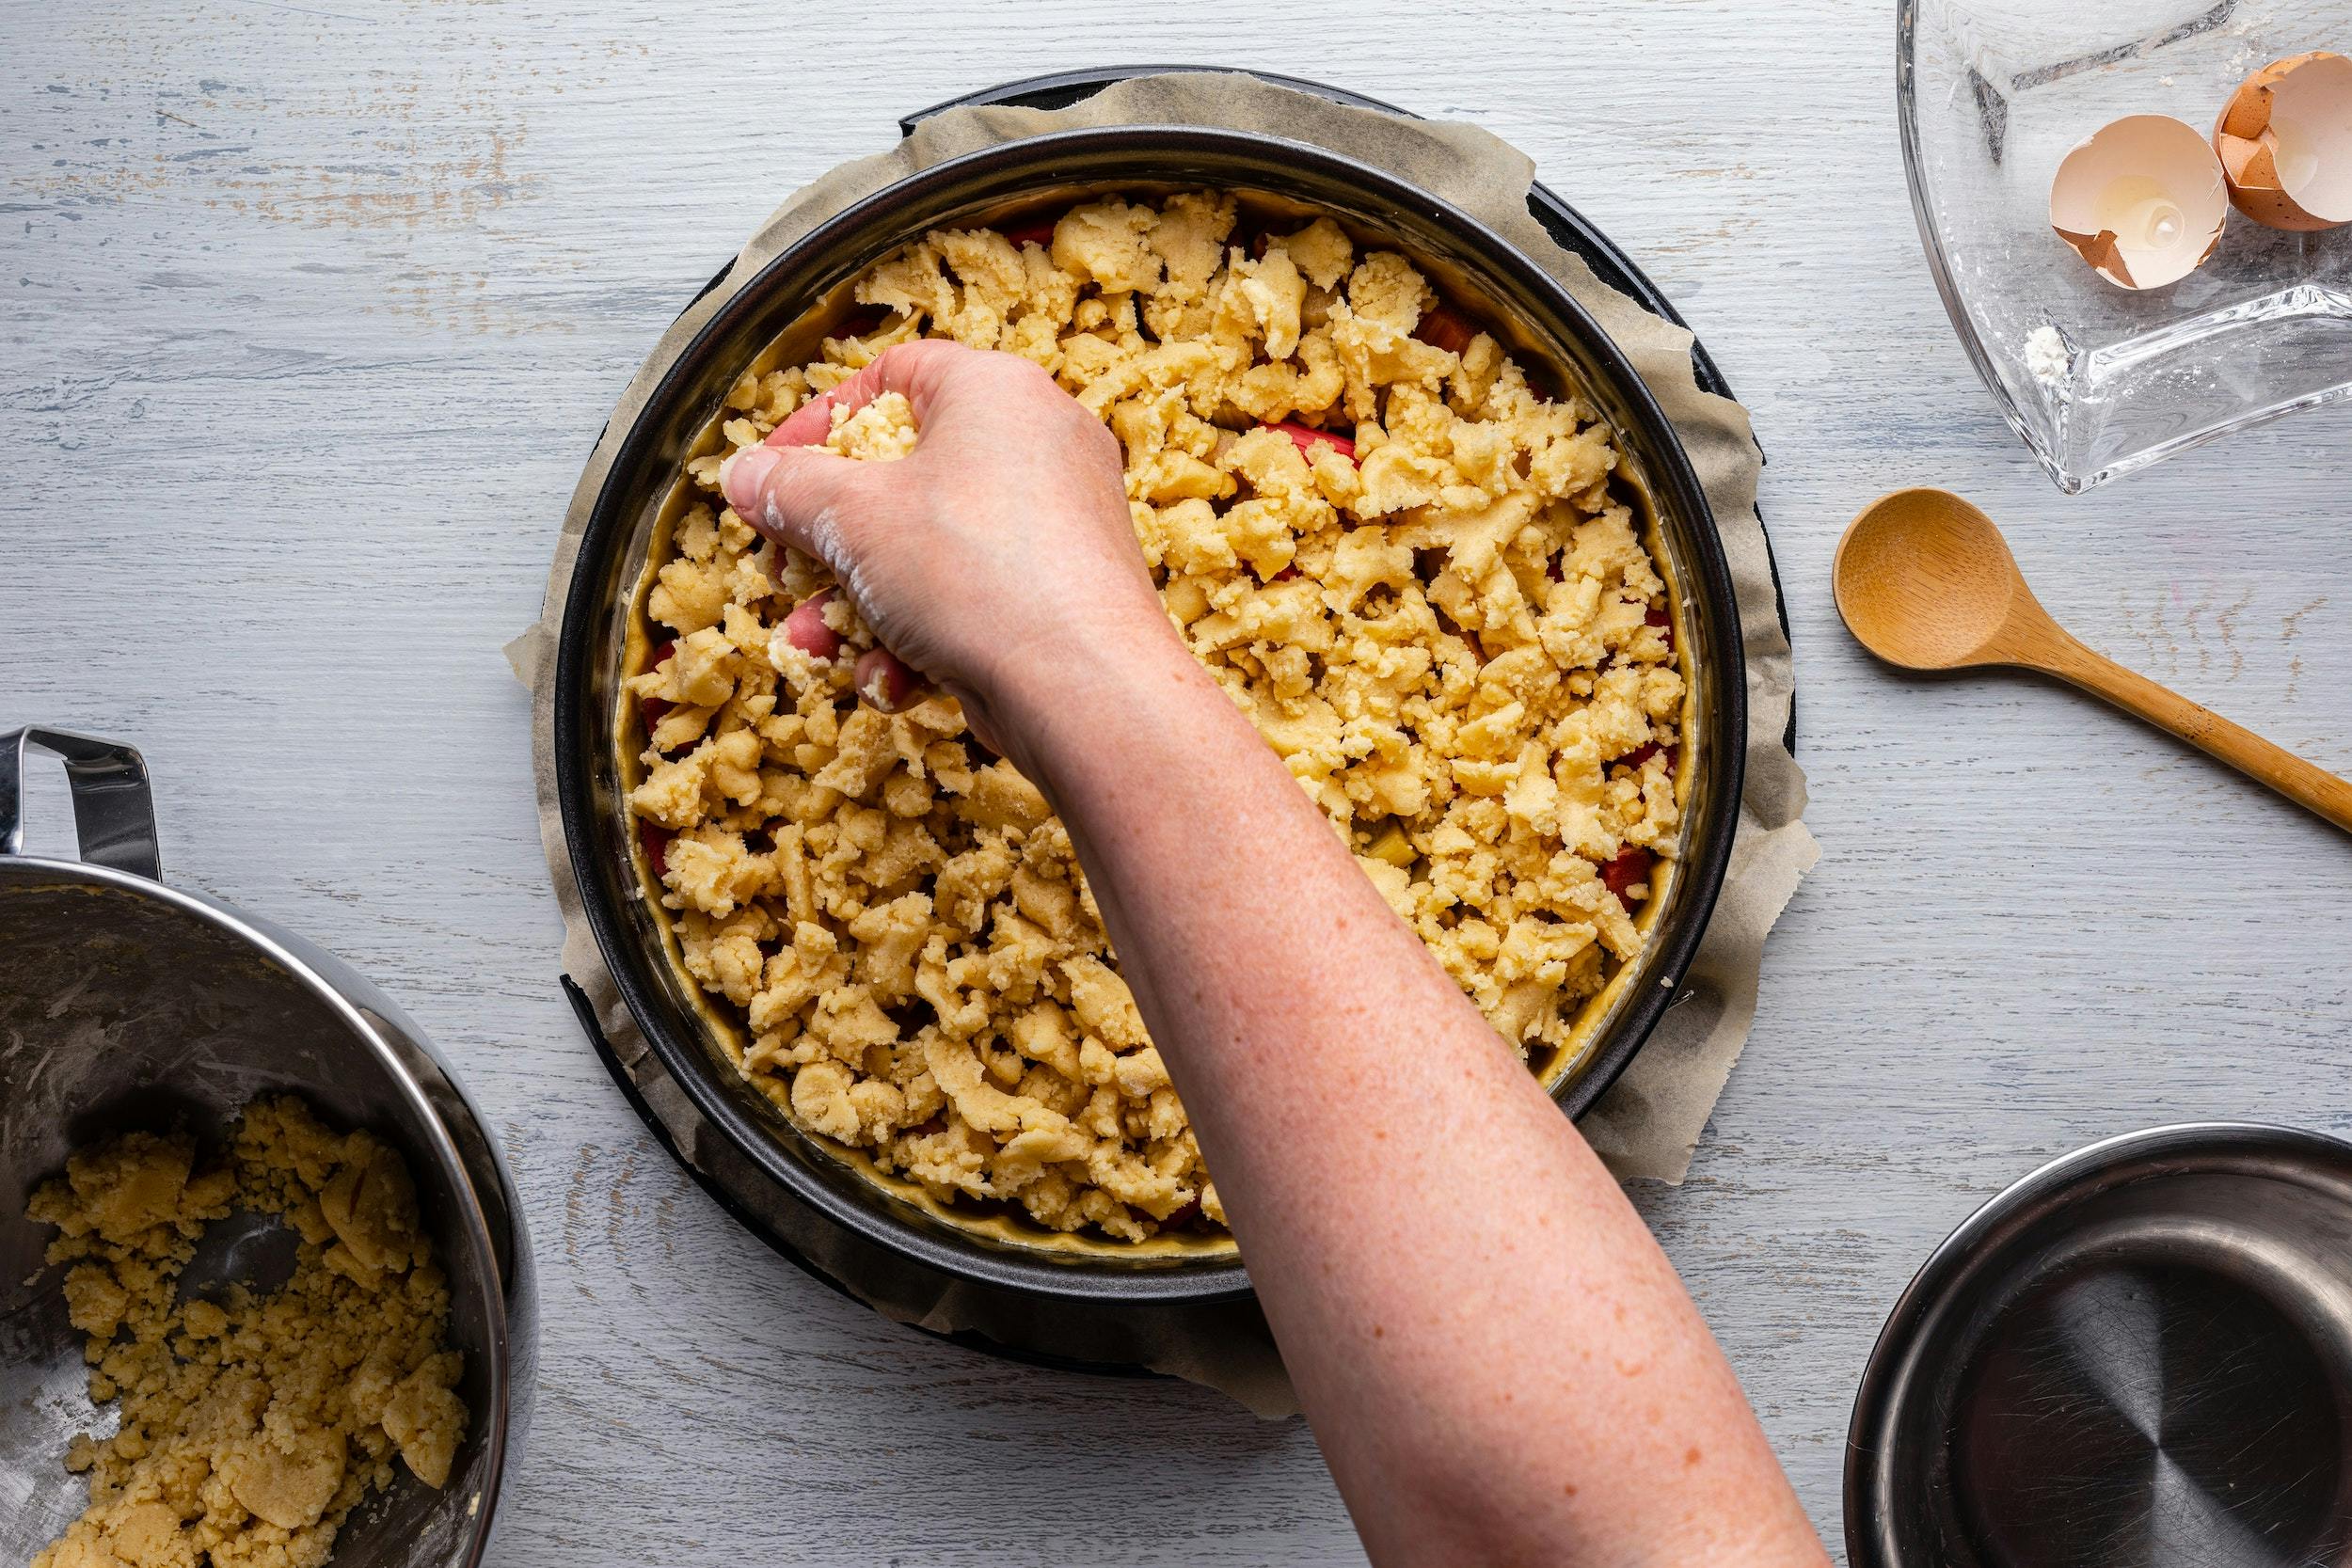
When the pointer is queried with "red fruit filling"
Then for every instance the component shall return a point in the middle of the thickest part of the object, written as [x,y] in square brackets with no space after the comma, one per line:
[1632,866]
[656,839]
[1307,439]
[1447,328]
[1038,232]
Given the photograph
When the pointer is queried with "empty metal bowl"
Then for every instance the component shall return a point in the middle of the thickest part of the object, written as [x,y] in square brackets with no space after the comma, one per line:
[2140,1355]
[128,1005]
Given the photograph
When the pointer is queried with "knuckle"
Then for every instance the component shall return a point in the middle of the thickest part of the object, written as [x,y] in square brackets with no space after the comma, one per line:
[920,351]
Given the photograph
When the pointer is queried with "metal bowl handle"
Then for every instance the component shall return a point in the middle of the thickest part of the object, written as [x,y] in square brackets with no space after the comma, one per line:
[114,810]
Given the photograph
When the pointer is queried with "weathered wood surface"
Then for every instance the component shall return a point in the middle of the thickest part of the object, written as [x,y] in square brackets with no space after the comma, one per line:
[312,311]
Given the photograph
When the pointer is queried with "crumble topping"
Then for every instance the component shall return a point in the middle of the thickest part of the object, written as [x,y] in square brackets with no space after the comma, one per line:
[1398,557]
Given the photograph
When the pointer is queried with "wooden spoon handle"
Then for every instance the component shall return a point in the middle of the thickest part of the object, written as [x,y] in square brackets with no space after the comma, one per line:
[2241,748]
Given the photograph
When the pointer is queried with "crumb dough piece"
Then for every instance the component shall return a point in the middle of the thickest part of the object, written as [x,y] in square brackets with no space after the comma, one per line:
[881,432]
[1397,555]
[251,1426]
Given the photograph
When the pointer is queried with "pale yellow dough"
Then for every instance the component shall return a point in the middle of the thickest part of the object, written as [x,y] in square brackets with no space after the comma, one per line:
[899,921]
[249,1428]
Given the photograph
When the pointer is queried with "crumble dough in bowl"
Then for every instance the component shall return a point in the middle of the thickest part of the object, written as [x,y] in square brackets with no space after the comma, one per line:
[1401,496]
[267,1294]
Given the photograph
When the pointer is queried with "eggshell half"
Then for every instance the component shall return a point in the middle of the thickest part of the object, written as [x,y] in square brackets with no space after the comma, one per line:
[2285,143]
[2178,160]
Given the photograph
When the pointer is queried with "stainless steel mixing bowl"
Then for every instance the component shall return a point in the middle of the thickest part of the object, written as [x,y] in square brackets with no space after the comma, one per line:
[127,1004]
[2138,1356]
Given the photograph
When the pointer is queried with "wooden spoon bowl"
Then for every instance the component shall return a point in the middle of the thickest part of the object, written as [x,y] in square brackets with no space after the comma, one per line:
[1925,581]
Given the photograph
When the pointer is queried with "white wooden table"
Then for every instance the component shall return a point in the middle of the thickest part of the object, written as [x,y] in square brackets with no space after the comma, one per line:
[312,311]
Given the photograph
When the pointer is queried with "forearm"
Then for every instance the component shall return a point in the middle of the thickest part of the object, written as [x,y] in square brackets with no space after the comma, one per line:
[1368,1130]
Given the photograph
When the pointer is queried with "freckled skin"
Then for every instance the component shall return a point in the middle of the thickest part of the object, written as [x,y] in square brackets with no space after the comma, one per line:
[1293,1009]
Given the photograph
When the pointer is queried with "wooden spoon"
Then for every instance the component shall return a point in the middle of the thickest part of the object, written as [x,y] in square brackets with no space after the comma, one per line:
[1925,581]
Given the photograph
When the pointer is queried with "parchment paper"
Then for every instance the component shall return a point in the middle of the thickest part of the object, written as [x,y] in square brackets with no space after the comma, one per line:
[1649,1122]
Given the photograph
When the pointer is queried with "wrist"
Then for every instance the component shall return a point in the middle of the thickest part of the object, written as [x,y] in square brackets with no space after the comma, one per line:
[1072,699]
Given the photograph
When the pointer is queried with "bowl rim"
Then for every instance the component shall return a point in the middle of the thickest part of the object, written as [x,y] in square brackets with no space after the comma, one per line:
[274,947]
[1890,1374]
[1674,485]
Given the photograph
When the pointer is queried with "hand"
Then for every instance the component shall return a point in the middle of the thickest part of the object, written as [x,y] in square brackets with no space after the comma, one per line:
[997,557]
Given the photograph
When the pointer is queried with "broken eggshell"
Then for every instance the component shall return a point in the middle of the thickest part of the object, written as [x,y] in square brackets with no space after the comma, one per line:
[2285,143]
[2143,200]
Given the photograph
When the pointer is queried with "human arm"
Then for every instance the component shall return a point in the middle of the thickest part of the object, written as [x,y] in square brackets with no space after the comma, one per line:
[1498,1362]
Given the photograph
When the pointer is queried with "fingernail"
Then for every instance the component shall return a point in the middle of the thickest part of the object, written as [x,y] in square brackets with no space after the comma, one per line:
[744,475]
[887,685]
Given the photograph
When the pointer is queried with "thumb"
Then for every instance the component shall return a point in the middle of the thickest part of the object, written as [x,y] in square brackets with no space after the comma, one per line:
[794,494]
